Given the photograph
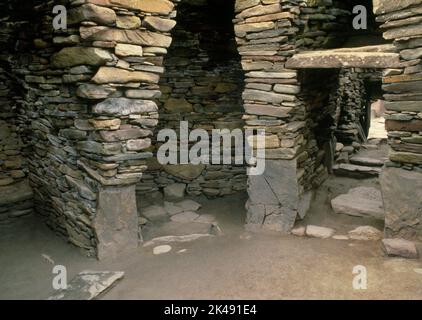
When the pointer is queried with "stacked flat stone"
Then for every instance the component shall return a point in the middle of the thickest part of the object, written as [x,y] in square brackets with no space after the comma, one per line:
[91,111]
[401,180]
[403,25]
[265,33]
[15,193]
[202,84]
[323,24]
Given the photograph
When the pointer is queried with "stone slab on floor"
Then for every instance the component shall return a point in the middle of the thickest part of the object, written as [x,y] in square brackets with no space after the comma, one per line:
[174,231]
[367,162]
[360,202]
[187,216]
[356,171]
[88,285]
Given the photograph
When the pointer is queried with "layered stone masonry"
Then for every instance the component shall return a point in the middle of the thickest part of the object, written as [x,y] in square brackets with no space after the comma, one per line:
[268,33]
[202,84]
[15,193]
[91,108]
[91,115]
[402,24]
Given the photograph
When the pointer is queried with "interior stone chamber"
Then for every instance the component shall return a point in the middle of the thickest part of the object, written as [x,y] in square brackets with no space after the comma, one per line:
[81,107]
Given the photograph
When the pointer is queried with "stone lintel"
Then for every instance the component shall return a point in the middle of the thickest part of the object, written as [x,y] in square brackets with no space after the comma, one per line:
[337,59]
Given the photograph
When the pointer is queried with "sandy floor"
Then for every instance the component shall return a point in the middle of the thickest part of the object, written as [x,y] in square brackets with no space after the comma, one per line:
[234,266]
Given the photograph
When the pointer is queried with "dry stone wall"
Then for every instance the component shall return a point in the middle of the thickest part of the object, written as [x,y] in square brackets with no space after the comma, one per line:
[15,193]
[89,100]
[202,84]
[402,24]
[91,114]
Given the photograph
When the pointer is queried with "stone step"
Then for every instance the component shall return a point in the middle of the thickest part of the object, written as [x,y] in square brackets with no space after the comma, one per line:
[367,162]
[360,202]
[356,171]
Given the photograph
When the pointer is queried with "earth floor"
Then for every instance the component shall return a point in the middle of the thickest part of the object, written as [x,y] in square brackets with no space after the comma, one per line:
[236,265]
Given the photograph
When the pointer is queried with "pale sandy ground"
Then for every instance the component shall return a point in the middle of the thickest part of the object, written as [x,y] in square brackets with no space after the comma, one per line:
[233,266]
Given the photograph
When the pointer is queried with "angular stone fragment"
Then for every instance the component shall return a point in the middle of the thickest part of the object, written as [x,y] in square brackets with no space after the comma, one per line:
[74,56]
[88,285]
[400,248]
[124,106]
[91,12]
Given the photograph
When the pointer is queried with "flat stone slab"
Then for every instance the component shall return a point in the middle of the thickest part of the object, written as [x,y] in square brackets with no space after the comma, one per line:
[356,171]
[154,213]
[327,59]
[400,248]
[174,231]
[189,205]
[319,232]
[182,206]
[368,162]
[88,285]
[188,216]
[360,202]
